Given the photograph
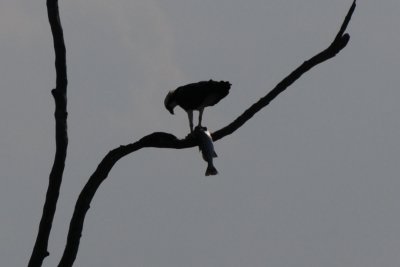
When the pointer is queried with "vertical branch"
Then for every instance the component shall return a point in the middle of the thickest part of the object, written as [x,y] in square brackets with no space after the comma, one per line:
[60,97]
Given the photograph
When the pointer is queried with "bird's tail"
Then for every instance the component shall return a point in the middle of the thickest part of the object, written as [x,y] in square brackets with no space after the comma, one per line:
[211,170]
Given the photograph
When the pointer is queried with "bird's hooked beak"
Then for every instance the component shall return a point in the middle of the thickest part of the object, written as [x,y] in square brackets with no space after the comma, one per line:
[169,103]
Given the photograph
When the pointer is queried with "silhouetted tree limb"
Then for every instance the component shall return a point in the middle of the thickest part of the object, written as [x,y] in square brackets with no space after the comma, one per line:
[60,98]
[336,46]
[166,140]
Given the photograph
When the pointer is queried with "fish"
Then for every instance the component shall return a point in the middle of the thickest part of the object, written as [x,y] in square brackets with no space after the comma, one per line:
[206,147]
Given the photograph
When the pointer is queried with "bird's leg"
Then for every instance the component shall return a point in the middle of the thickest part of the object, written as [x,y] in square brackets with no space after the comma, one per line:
[200,116]
[190,115]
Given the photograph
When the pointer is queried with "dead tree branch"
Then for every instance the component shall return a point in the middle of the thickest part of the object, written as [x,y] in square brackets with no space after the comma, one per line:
[60,97]
[166,140]
[336,46]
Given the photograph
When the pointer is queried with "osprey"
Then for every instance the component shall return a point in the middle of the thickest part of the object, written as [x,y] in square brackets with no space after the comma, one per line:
[196,96]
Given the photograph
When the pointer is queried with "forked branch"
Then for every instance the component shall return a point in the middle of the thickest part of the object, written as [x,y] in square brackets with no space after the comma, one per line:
[166,140]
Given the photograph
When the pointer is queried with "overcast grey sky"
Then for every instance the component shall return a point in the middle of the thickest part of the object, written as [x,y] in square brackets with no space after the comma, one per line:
[311,180]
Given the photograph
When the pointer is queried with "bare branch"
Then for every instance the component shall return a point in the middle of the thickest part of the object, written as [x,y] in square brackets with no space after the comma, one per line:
[346,21]
[166,140]
[336,46]
[60,97]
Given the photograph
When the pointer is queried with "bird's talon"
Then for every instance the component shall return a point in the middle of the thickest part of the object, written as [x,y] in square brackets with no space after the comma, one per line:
[190,135]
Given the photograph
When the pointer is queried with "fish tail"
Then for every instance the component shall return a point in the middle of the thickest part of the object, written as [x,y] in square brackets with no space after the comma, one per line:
[211,170]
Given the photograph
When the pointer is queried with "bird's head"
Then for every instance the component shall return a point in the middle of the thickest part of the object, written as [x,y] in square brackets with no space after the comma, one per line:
[169,102]
[226,84]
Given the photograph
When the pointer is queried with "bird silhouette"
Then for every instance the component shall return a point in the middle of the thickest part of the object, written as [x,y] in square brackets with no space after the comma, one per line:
[196,96]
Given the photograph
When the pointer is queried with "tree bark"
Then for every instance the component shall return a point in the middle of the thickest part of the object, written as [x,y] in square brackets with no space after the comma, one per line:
[166,140]
[40,249]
